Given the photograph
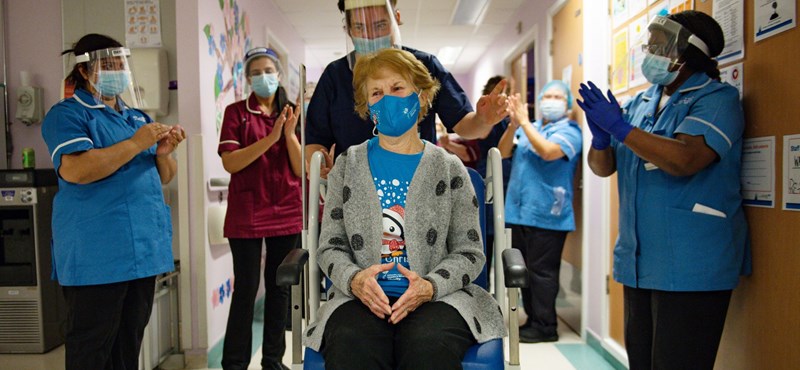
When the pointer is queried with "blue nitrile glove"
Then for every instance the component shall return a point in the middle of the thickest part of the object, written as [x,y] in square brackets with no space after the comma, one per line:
[600,139]
[606,113]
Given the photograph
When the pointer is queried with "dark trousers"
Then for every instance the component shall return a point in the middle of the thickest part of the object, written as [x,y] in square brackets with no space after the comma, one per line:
[541,249]
[237,348]
[673,330]
[434,336]
[105,324]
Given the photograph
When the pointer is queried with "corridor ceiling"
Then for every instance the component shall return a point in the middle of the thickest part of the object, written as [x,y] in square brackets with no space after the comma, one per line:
[426,26]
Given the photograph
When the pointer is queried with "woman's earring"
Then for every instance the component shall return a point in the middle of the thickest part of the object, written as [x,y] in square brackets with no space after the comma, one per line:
[375,130]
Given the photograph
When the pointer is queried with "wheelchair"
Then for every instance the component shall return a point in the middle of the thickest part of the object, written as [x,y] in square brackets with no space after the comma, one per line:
[299,270]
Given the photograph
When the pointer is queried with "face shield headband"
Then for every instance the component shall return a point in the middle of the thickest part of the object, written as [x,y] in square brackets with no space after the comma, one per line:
[670,39]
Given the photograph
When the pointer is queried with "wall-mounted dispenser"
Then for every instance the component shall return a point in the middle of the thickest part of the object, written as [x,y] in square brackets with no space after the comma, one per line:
[29,101]
[149,65]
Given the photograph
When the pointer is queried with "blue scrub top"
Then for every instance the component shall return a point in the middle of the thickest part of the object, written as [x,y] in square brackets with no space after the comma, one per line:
[332,117]
[683,233]
[115,229]
[532,198]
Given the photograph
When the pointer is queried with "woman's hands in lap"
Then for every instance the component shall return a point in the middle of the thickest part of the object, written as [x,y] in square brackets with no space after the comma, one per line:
[419,291]
[366,288]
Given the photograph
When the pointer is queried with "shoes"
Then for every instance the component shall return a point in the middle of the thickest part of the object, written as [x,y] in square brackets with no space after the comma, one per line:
[274,366]
[529,334]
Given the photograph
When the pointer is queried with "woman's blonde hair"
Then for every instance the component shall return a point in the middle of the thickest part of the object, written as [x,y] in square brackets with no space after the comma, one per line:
[398,61]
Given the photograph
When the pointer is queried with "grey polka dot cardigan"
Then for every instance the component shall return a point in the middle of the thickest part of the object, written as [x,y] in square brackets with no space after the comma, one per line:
[442,235]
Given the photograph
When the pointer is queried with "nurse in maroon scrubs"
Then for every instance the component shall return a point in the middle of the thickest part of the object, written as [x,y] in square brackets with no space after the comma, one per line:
[260,149]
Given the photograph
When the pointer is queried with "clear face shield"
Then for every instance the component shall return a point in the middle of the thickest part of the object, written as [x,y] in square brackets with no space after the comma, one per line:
[669,39]
[370,25]
[110,75]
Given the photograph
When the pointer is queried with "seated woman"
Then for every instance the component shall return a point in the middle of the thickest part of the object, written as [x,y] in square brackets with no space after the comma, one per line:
[400,237]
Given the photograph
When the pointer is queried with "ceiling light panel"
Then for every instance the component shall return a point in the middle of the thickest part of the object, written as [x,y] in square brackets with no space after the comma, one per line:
[469,12]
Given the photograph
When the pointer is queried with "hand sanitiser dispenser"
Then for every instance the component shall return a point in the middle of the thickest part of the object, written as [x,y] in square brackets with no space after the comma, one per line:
[149,65]
[29,101]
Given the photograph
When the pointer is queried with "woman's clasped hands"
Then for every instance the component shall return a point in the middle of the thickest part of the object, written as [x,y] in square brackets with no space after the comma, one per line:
[365,287]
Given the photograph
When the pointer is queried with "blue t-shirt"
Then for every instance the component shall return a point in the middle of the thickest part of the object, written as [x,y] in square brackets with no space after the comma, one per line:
[392,174]
[332,118]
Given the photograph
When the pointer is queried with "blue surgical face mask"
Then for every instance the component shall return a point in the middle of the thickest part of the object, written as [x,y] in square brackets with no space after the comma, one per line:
[265,84]
[553,109]
[394,116]
[655,69]
[366,46]
[112,83]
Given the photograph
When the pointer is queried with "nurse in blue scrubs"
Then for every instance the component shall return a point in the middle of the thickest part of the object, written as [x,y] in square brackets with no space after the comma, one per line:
[112,232]
[677,150]
[539,199]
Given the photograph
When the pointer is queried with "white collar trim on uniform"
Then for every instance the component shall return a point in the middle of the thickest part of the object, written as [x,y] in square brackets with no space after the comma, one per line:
[247,105]
[120,102]
[698,87]
[85,104]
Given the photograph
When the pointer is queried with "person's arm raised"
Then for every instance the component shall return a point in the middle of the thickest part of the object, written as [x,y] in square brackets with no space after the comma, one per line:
[490,110]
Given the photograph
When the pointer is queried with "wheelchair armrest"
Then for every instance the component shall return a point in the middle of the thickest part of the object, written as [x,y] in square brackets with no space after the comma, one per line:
[514,269]
[290,270]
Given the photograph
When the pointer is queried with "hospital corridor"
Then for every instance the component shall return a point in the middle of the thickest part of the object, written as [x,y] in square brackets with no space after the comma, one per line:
[399,184]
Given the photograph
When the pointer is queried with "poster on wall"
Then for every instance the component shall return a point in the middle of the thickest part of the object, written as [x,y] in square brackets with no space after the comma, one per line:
[734,76]
[772,17]
[142,23]
[637,32]
[676,6]
[619,12]
[619,62]
[758,172]
[791,173]
[730,16]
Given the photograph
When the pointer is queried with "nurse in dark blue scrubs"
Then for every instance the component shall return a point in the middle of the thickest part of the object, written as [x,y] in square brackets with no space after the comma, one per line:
[372,25]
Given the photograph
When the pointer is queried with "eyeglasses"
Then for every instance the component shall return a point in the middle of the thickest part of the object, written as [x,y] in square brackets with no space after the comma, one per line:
[376,29]
[655,49]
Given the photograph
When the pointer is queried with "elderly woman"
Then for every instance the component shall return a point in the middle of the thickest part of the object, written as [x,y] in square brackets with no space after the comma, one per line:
[400,237]
[539,200]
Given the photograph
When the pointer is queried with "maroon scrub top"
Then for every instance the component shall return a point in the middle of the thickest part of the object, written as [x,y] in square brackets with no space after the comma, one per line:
[264,197]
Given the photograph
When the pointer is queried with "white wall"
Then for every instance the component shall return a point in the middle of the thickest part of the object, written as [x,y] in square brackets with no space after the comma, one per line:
[533,16]
[595,189]
[33,44]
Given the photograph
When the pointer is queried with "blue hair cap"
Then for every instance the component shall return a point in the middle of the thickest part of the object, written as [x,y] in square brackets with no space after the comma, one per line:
[259,52]
[561,85]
